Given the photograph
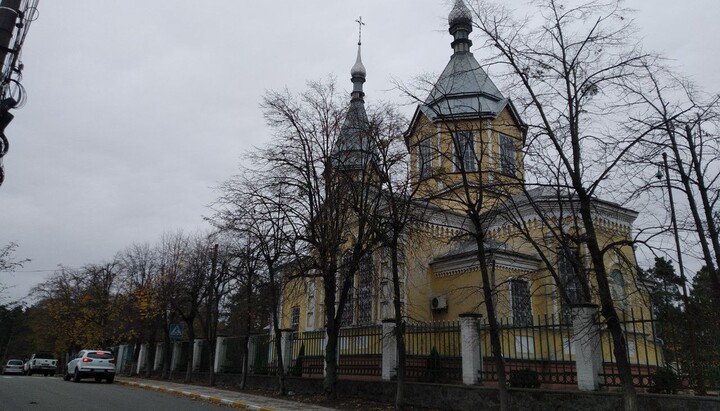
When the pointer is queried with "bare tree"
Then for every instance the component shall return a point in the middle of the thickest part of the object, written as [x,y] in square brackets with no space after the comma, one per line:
[328,193]
[255,214]
[567,66]
[396,214]
[686,124]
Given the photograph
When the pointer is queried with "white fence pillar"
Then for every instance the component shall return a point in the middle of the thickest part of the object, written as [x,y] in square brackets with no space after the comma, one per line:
[252,352]
[142,358]
[197,354]
[176,355]
[470,348]
[389,350]
[159,353]
[120,360]
[286,348]
[586,345]
[219,354]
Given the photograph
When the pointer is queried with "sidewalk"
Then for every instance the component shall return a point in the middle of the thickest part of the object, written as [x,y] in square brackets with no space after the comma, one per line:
[233,399]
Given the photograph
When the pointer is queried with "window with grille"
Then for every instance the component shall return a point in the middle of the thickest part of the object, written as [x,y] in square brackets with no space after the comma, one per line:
[295,318]
[520,302]
[364,315]
[349,307]
[425,157]
[569,282]
[507,154]
[464,145]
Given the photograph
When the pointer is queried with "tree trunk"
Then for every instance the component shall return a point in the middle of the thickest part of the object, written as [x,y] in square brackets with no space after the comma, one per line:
[330,361]
[607,307]
[399,329]
[213,348]
[276,329]
[495,341]
[150,357]
[245,361]
[190,357]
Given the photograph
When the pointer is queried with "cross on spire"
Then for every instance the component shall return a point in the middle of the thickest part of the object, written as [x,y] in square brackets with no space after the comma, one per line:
[360,24]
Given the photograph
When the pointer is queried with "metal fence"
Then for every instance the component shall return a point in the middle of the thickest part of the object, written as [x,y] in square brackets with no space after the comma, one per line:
[544,346]
[360,351]
[645,352]
[307,353]
[433,351]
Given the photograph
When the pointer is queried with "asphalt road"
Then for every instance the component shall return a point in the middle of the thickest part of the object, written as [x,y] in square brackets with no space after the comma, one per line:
[38,393]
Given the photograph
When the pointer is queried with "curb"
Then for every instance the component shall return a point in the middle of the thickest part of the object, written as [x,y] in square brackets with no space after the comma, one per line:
[197,396]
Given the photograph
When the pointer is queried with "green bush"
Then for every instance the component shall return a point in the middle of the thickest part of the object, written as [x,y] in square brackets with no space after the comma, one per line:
[664,381]
[297,369]
[432,367]
[526,378]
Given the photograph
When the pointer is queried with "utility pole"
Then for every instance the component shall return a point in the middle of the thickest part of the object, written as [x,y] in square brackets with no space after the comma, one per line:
[683,281]
[15,19]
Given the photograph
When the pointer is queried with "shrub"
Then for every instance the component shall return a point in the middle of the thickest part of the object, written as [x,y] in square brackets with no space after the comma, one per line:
[297,369]
[665,381]
[432,367]
[526,378]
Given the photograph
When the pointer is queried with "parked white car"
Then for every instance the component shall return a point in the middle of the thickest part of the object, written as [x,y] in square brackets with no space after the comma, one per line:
[13,367]
[96,364]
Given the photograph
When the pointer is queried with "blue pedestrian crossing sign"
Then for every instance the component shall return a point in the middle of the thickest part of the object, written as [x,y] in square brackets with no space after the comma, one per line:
[176,331]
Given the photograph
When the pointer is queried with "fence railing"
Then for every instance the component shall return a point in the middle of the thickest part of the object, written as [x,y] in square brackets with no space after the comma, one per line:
[544,346]
[433,351]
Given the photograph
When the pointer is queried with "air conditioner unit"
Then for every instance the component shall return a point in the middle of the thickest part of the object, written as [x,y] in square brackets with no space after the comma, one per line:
[439,303]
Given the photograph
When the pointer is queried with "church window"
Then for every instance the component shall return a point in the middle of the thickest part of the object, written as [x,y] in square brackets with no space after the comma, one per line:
[348,314]
[507,154]
[425,157]
[295,318]
[617,285]
[365,291]
[520,302]
[464,144]
[569,282]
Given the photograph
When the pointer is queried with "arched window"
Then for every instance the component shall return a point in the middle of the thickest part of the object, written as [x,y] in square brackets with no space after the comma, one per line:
[425,158]
[617,285]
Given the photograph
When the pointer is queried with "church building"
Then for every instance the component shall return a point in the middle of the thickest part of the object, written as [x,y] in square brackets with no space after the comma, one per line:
[466,144]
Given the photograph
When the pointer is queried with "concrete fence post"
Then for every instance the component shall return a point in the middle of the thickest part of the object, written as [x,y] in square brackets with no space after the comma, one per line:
[389,350]
[197,354]
[286,347]
[176,354]
[122,353]
[252,352]
[159,353]
[470,350]
[219,354]
[586,342]
[142,358]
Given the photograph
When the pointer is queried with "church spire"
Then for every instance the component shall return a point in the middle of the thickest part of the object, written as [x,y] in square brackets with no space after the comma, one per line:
[358,73]
[354,147]
[460,22]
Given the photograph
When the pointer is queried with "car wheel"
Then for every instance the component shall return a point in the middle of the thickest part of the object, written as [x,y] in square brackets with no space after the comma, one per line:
[52,374]
[76,376]
[110,380]
[29,373]
[66,376]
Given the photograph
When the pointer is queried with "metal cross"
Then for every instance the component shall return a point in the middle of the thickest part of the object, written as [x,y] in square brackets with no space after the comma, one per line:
[360,24]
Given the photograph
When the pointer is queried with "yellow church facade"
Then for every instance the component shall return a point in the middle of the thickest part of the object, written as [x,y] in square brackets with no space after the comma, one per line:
[466,144]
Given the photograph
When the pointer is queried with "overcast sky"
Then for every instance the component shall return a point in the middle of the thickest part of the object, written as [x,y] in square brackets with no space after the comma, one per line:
[137,109]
